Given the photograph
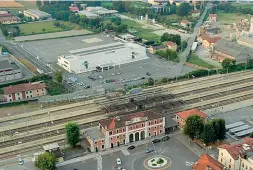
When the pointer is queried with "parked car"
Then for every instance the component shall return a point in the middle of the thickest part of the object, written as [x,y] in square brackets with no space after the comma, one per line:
[118,161]
[148,150]
[165,138]
[131,147]
[156,141]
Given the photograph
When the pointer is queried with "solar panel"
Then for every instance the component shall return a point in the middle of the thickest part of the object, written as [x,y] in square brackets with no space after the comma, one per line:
[233,125]
[245,132]
[240,128]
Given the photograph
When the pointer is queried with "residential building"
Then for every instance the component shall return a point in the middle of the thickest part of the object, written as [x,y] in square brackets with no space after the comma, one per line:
[208,41]
[171,45]
[124,129]
[185,23]
[88,14]
[24,91]
[237,156]
[227,49]
[181,117]
[6,14]
[9,20]
[74,8]
[196,13]
[213,17]
[100,11]
[206,162]
[36,14]
[246,41]
[154,49]
[9,71]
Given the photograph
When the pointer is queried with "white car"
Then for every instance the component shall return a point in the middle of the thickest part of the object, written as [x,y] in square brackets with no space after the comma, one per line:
[118,161]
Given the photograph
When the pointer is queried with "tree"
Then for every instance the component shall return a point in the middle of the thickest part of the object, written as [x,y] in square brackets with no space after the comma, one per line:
[193,126]
[58,76]
[57,24]
[184,45]
[227,63]
[45,161]
[38,3]
[43,29]
[222,129]
[208,134]
[183,9]
[250,63]
[251,135]
[151,81]
[73,133]
[171,37]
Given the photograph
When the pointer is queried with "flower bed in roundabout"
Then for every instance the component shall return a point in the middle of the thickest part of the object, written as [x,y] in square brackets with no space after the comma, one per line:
[157,162]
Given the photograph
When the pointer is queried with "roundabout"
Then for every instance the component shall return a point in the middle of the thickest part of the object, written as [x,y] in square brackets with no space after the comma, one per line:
[157,162]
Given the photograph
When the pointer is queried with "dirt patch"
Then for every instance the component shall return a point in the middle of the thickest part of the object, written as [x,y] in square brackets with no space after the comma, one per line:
[29,65]
[10,4]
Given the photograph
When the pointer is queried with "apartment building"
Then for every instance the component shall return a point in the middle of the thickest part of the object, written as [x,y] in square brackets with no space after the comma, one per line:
[237,156]
[24,91]
[125,129]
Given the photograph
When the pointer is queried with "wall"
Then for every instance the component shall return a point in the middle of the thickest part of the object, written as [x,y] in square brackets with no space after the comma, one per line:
[10,75]
[226,159]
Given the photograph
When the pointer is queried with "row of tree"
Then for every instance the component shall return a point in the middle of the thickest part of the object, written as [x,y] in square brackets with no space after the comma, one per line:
[47,160]
[229,8]
[168,55]
[210,132]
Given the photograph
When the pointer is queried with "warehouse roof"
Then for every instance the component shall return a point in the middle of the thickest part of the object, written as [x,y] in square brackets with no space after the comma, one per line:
[87,13]
[38,12]
[5,64]
[241,53]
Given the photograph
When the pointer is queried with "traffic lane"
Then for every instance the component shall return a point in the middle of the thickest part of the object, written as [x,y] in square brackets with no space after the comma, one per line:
[90,164]
[16,166]
[110,163]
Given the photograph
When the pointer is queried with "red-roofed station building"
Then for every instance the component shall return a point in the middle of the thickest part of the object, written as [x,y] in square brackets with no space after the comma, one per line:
[24,91]
[125,129]
[237,156]
[182,116]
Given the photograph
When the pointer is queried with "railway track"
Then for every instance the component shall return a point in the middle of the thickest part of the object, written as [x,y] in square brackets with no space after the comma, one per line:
[74,118]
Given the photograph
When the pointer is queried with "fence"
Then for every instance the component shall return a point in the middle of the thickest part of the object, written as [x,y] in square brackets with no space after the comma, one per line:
[83,94]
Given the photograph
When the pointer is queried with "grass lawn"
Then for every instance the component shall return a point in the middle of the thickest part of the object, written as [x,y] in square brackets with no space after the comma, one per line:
[144,33]
[29,4]
[194,59]
[243,5]
[230,17]
[105,3]
[37,28]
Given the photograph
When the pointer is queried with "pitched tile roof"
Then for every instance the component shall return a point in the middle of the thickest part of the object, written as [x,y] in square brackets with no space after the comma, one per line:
[24,87]
[210,39]
[185,21]
[236,149]
[205,161]
[113,123]
[212,15]
[170,43]
[185,114]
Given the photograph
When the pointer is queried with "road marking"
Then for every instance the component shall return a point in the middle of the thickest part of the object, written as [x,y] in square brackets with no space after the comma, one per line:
[125,152]
[188,163]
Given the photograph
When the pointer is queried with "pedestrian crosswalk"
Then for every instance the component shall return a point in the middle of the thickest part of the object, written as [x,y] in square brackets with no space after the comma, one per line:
[189,163]
[125,152]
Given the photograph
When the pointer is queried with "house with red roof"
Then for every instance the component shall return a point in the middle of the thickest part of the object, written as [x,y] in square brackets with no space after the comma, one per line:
[206,162]
[208,41]
[213,17]
[171,45]
[73,8]
[181,117]
[237,156]
[124,129]
[185,23]
[24,91]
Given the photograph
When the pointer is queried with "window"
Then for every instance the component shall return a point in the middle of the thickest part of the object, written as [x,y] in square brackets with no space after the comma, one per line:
[243,165]
[230,160]
[30,91]
[161,126]
[117,130]
[136,126]
[102,140]
[18,94]
[123,129]
[31,96]
[27,96]
[117,137]
[18,98]
[10,100]
[111,138]
[149,123]
[95,143]
[155,127]
[142,125]
[148,128]
[123,135]
[229,166]
[149,134]
[161,131]
[26,92]
[42,89]
[42,93]
[9,95]
[246,167]
[110,133]
[103,146]
[37,90]
[131,127]
[155,121]
[221,154]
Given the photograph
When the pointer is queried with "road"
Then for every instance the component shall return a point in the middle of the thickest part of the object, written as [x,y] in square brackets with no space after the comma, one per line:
[20,52]
[186,52]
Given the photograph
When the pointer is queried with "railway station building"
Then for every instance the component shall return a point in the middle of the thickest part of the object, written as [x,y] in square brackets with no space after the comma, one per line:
[125,129]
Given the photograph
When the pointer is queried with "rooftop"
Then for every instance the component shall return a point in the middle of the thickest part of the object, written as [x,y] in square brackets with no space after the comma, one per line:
[185,21]
[245,39]
[185,114]
[236,150]
[212,15]
[38,12]
[94,133]
[210,39]
[205,161]
[240,52]
[195,11]
[5,64]
[87,13]
[8,18]
[122,121]
[100,10]
[24,87]
[170,43]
